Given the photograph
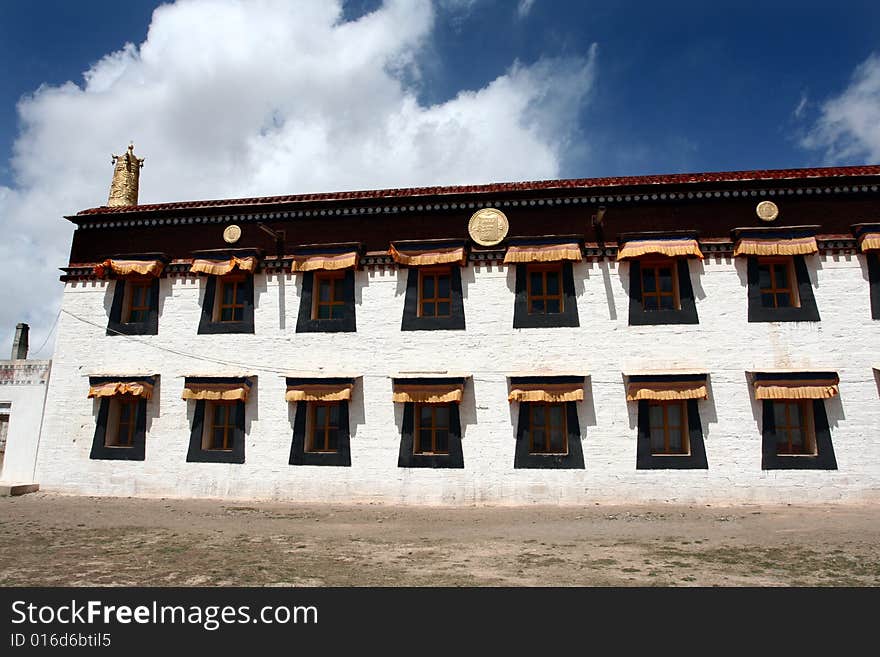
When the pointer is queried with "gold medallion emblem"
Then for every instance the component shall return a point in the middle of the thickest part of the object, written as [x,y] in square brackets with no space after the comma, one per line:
[231,234]
[488,227]
[767,210]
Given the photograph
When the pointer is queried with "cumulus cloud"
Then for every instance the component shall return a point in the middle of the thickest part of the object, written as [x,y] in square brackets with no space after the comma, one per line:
[848,128]
[229,98]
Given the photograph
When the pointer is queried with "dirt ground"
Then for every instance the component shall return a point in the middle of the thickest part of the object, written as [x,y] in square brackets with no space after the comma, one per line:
[54,540]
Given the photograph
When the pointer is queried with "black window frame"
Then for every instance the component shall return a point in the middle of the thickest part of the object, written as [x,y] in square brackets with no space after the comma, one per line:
[305,323]
[873,261]
[824,459]
[455,458]
[115,325]
[569,315]
[100,451]
[413,322]
[196,453]
[686,313]
[646,460]
[523,458]
[209,326]
[298,453]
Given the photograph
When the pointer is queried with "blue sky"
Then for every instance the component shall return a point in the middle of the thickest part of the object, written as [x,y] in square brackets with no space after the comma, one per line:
[681,86]
[234,98]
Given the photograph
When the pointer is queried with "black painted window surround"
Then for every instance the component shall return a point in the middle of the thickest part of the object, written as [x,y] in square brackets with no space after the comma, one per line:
[824,459]
[873,258]
[522,318]
[209,323]
[411,319]
[646,460]
[298,453]
[122,299]
[408,459]
[805,312]
[197,453]
[523,458]
[686,313]
[100,449]
[345,322]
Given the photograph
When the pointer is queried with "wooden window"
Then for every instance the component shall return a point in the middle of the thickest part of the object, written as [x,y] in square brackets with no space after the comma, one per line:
[660,285]
[329,295]
[138,306]
[431,429]
[793,421]
[219,425]
[668,428]
[548,432]
[545,295]
[435,295]
[323,434]
[776,281]
[231,293]
[122,422]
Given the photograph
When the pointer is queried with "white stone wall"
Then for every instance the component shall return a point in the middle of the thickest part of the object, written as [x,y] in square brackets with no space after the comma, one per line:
[724,344]
[23,385]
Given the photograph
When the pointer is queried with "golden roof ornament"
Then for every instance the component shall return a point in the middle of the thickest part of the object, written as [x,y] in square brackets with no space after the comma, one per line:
[126,174]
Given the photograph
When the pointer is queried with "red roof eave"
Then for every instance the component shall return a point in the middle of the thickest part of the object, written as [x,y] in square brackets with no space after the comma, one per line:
[540,185]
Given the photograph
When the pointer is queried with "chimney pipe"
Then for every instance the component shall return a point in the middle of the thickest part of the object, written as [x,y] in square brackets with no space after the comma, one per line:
[20,343]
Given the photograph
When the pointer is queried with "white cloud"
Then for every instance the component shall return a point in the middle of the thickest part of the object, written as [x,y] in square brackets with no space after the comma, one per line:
[801,106]
[848,129]
[230,98]
[524,7]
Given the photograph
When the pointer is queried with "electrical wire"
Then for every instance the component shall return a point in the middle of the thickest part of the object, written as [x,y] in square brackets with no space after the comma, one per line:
[48,335]
[273,370]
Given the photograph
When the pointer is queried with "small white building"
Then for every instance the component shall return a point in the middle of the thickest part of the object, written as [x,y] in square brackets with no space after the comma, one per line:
[23,385]
[692,338]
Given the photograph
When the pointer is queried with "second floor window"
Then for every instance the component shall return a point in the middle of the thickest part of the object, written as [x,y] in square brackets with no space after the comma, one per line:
[775,281]
[138,309]
[435,295]
[231,298]
[659,286]
[545,295]
[330,297]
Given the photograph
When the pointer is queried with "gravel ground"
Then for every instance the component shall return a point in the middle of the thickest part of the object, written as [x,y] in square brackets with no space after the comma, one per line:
[54,540]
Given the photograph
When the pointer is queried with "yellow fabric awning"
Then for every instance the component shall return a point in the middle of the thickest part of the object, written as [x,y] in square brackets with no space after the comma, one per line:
[318,392]
[772,246]
[543,253]
[796,388]
[428,256]
[123,268]
[113,388]
[870,242]
[216,391]
[546,392]
[223,267]
[665,247]
[428,393]
[666,390]
[325,261]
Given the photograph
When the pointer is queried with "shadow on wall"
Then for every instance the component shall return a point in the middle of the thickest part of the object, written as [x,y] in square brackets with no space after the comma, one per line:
[609,290]
[697,270]
[706,407]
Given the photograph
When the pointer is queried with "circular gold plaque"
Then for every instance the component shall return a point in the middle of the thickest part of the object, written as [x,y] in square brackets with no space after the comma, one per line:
[231,234]
[767,210]
[488,227]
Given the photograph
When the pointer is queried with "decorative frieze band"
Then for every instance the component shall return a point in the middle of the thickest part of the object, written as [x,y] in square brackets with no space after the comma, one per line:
[458,206]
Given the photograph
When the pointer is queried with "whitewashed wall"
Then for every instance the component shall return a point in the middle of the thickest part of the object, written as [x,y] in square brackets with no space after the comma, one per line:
[724,344]
[23,385]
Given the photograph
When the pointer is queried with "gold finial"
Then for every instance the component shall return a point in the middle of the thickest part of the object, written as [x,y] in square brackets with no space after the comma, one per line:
[126,175]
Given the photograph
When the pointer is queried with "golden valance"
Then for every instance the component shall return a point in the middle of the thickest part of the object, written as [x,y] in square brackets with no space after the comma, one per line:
[870,241]
[113,388]
[124,268]
[666,390]
[318,392]
[793,388]
[216,391]
[428,393]
[428,256]
[546,392]
[543,253]
[665,247]
[223,267]
[773,246]
[326,261]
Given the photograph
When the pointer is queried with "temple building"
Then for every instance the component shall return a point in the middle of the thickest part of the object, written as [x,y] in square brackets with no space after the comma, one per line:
[708,338]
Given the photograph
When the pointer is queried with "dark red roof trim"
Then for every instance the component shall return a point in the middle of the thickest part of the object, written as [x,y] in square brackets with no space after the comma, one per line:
[573,183]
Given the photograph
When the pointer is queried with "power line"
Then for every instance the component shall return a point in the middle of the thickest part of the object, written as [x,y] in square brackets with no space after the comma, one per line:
[49,334]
